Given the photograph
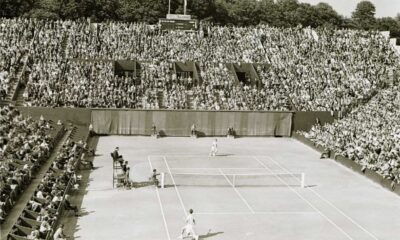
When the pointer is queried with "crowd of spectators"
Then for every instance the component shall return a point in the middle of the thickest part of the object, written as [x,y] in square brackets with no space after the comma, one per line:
[24,145]
[331,69]
[71,64]
[85,84]
[299,69]
[41,215]
[369,135]
[15,38]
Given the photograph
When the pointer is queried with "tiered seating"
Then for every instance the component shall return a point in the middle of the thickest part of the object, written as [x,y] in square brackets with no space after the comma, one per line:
[15,37]
[369,135]
[25,145]
[301,69]
[49,201]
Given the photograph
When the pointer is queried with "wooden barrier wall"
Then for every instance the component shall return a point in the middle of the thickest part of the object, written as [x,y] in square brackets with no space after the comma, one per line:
[178,123]
[77,116]
[305,120]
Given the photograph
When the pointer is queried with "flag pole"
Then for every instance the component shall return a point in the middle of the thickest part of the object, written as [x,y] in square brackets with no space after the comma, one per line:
[184,7]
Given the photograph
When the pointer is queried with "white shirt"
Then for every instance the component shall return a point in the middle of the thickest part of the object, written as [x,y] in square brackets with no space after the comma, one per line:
[39,194]
[58,234]
[190,220]
[45,226]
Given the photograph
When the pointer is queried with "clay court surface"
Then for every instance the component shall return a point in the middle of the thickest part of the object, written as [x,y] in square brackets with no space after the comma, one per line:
[336,203]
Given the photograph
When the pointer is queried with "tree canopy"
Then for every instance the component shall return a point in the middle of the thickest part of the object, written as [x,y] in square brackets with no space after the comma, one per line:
[363,16]
[279,13]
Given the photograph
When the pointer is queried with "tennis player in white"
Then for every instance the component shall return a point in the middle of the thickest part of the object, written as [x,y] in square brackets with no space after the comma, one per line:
[214,148]
[188,229]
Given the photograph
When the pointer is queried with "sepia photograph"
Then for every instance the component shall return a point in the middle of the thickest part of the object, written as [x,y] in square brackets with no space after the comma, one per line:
[199,119]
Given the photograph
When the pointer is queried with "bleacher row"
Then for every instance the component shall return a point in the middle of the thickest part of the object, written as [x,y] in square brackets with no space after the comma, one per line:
[42,214]
[26,147]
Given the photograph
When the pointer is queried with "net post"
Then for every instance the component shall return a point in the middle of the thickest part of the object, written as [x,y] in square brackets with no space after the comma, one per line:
[303,185]
[233,180]
[162,179]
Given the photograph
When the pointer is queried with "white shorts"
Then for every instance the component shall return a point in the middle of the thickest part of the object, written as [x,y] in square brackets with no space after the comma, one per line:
[189,230]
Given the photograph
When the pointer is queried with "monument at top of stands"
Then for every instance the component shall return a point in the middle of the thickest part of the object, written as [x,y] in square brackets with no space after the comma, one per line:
[183,22]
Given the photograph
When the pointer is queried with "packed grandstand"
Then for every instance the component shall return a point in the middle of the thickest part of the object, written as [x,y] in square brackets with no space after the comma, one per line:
[72,64]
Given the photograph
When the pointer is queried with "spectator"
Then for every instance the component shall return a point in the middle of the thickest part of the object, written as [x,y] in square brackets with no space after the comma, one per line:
[59,233]
[69,206]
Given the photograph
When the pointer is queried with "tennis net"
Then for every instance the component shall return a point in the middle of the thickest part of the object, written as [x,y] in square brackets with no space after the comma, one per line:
[233,180]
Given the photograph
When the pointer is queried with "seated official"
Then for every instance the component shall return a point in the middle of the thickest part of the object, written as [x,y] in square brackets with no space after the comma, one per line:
[193,131]
[69,206]
[231,132]
[115,153]
[325,154]
[116,157]
[154,130]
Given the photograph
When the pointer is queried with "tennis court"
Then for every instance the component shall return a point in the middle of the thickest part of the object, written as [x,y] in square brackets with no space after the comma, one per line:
[251,190]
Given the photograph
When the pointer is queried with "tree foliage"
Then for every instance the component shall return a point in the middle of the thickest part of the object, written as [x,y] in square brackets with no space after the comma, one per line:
[363,16]
[279,13]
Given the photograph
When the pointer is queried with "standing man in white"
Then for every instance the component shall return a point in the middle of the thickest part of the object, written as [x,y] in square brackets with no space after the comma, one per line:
[188,229]
[214,148]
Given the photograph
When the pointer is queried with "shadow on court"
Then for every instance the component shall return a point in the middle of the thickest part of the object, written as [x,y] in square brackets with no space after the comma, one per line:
[142,184]
[224,155]
[210,234]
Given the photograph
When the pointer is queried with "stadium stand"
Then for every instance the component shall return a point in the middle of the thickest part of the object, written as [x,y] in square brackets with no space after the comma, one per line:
[15,39]
[260,68]
[368,135]
[73,64]
[25,145]
[40,217]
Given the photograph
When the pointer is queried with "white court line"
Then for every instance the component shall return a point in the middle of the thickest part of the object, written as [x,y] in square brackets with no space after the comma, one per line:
[328,202]
[257,213]
[203,156]
[212,168]
[237,192]
[161,206]
[176,188]
[305,200]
